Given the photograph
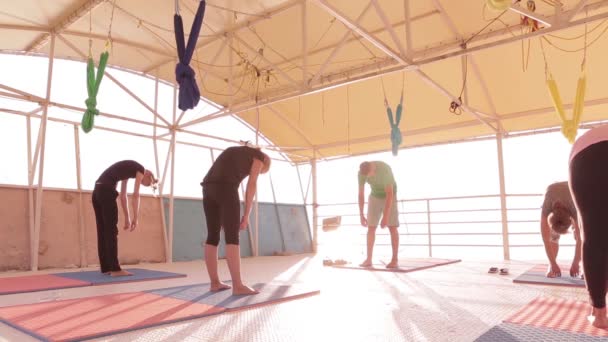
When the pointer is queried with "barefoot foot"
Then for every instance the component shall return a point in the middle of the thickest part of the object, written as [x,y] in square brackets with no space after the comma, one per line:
[243,290]
[121,273]
[366,263]
[393,264]
[598,318]
[215,287]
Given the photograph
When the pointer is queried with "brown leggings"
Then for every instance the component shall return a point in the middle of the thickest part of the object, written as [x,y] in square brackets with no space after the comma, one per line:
[589,186]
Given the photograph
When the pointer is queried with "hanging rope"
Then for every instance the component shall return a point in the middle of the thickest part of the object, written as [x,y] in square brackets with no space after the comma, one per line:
[348,118]
[189,94]
[569,126]
[455,105]
[323,107]
[93,80]
[396,137]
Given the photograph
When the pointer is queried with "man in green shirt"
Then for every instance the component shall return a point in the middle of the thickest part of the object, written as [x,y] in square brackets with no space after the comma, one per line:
[382,202]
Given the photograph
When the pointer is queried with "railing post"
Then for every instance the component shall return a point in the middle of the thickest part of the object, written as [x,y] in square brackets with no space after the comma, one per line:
[428,226]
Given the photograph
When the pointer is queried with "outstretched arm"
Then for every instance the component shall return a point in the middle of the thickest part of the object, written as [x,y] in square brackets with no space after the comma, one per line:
[387,205]
[135,200]
[124,203]
[551,248]
[362,204]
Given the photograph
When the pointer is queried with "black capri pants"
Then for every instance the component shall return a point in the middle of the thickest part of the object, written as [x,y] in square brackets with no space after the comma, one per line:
[106,217]
[222,210]
[589,186]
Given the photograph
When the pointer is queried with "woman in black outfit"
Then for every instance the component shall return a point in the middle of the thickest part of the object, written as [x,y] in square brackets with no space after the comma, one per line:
[589,186]
[106,210]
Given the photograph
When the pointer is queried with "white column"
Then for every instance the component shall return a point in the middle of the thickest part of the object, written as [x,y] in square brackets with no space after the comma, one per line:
[315,216]
[43,122]
[161,203]
[81,226]
[171,199]
[503,198]
[30,192]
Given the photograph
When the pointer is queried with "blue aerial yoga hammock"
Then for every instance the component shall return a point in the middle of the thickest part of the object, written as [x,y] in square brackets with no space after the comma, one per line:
[396,138]
[189,94]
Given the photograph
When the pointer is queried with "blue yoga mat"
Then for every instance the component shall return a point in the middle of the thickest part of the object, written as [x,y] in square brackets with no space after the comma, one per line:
[268,293]
[139,274]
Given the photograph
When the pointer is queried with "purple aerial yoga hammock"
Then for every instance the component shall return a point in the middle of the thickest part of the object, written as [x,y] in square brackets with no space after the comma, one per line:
[189,95]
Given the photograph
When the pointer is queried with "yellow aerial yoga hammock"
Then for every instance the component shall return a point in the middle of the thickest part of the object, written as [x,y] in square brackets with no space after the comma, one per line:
[569,126]
[498,5]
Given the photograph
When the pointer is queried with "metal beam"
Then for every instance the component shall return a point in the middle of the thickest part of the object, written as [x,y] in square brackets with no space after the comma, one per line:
[441,50]
[44,29]
[399,58]
[338,46]
[35,240]
[532,15]
[118,41]
[359,30]
[266,60]
[389,27]
[64,21]
[354,37]
[575,10]
[345,77]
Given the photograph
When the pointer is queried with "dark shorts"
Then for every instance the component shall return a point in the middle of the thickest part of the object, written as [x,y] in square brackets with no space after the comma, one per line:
[222,210]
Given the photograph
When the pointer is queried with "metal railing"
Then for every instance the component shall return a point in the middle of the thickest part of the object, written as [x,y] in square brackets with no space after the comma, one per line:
[428,223]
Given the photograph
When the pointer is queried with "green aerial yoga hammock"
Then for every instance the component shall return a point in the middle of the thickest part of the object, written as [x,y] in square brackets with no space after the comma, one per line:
[92,89]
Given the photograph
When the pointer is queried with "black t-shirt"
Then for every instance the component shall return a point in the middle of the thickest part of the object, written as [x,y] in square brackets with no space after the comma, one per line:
[232,165]
[120,171]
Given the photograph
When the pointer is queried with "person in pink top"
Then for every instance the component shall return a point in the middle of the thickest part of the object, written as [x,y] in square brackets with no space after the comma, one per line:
[589,185]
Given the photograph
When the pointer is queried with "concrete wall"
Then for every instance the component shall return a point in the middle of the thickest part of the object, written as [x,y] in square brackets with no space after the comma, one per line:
[283,228]
[60,231]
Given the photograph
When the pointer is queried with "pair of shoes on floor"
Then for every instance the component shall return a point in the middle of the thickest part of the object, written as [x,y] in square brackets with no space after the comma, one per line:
[503,271]
[329,262]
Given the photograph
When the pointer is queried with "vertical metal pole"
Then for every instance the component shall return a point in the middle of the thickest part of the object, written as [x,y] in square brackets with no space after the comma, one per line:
[315,215]
[30,191]
[304,45]
[43,122]
[171,199]
[81,226]
[503,199]
[157,164]
[428,226]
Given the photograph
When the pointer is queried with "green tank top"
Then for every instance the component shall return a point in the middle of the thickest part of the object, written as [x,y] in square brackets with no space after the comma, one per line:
[379,181]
